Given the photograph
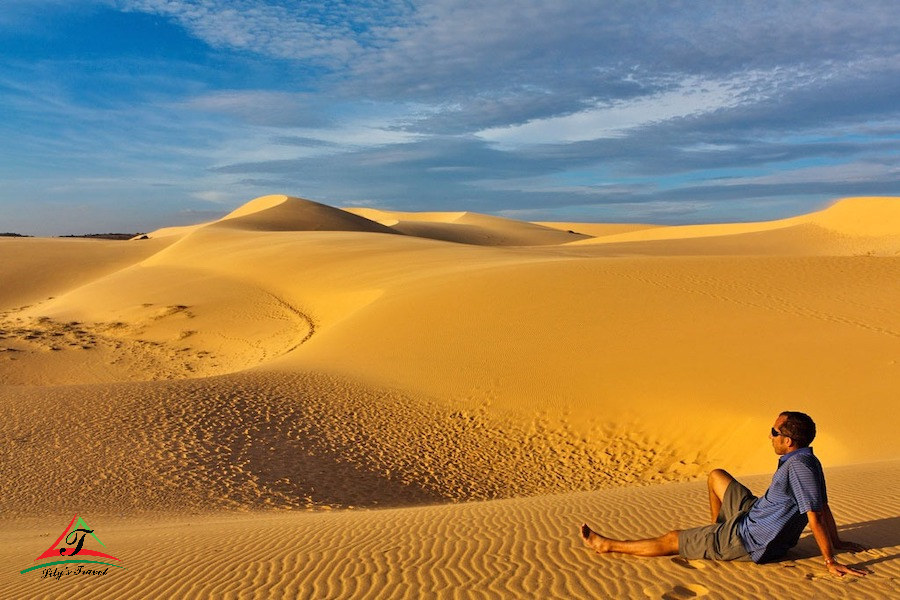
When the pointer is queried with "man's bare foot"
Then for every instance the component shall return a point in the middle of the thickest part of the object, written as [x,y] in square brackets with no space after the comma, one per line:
[594,540]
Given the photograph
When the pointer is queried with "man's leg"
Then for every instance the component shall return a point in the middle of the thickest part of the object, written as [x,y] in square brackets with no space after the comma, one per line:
[663,545]
[717,482]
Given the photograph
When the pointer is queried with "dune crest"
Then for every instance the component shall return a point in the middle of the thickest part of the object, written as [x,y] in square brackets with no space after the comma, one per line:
[861,216]
[852,226]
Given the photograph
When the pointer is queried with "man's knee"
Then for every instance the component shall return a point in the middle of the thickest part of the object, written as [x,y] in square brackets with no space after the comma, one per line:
[720,475]
[718,481]
[671,541]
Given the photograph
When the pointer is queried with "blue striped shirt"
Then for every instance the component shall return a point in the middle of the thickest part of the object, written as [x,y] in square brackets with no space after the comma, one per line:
[775,521]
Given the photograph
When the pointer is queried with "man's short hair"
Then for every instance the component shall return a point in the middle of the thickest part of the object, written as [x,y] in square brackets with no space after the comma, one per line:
[799,427]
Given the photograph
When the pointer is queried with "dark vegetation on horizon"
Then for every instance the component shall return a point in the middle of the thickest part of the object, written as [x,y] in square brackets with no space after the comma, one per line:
[91,236]
[105,236]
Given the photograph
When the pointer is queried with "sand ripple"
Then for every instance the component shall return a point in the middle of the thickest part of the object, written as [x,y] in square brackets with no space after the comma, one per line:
[517,548]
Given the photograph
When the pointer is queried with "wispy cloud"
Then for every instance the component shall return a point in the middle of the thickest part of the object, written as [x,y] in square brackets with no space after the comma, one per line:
[263,107]
[854,173]
[691,96]
[331,33]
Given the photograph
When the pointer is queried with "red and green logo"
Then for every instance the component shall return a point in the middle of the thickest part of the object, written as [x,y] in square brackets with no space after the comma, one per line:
[70,544]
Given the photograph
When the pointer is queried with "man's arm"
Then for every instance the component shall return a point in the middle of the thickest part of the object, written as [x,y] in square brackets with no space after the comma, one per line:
[824,530]
[836,541]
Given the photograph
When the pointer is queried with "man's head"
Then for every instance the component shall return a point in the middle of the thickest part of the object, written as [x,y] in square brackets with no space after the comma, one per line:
[794,430]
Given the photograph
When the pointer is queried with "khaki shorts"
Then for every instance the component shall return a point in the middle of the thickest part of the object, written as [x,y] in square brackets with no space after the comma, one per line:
[720,540]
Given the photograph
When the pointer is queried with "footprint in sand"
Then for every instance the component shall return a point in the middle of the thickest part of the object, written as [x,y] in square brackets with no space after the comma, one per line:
[681,591]
[689,564]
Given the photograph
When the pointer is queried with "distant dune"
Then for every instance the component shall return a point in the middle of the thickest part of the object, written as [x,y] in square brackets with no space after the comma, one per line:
[284,213]
[471,228]
[486,383]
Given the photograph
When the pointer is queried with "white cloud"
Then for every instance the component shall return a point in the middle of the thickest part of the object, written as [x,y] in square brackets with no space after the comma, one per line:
[214,196]
[690,97]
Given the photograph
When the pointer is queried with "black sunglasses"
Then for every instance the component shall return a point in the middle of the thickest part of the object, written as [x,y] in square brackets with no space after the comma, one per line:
[776,433]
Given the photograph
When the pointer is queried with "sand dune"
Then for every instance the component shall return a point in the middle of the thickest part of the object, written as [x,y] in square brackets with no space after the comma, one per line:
[863,217]
[471,228]
[853,226]
[291,356]
[596,229]
[284,213]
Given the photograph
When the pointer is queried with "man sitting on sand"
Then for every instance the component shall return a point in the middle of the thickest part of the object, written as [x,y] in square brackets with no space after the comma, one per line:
[749,528]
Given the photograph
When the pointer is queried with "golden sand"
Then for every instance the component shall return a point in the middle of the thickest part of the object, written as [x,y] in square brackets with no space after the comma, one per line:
[301,401]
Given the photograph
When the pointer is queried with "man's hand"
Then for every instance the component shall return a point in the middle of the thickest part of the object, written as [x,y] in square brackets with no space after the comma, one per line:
[840,570]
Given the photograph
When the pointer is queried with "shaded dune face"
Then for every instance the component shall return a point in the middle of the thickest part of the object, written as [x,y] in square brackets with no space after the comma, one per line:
[285,213]
[474,229]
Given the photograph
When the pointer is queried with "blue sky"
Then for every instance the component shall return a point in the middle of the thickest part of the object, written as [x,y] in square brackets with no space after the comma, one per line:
[128,115]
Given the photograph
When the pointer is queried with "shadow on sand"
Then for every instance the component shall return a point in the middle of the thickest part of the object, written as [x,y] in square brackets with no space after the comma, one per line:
[877,535]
